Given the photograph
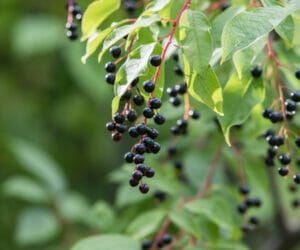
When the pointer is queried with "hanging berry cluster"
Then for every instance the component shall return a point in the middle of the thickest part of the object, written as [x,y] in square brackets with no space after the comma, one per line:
[74,13]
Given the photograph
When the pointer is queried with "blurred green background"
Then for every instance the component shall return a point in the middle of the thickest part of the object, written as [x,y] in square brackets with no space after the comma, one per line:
[51,104]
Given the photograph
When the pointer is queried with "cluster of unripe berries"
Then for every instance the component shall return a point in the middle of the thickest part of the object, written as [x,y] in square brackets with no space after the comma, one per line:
[245,205]
[165,240]
[74,13]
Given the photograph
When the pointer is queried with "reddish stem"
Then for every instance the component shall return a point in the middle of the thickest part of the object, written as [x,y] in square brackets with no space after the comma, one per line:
[70,15]
[273,56]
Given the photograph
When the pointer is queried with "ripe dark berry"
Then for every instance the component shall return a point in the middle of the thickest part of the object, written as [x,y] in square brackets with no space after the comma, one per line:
[141,128]
[134,82]
[121,128]
[283,171]
[149,172]
[276,117]
[146,244]
[129,6]
[131,115]
[110,126]
[116,136]
[224,6]
[126,96]
[290,105]
[269,161]
[297,141]
[175,130]
[160,195]
[155,103]
[256,202]
[166,239]
[71,26]
[128,157]
[171,92]
[292,187]
[138,159]
[297,74]
[175,101]
[159,119]
[144,188]
[253,220]
[155,60]
[119,118]
[138,100]
[269,133]
[75,9]
[244,189]
[115,51]
[152,133]
[182,123]
[137,175]
[295,203]
[272,152]
[110,67]
[295,96]
[194,114]
[148,142]
[133,132]
[297,178]
[267,112]
[140,148]
[142,168]
[275,140]
[149,86]
[242,208]
[178,70]
[72,34]
[181,88]
[178,165]
[110,78]
[155,148]
[148,112]
[176,56]
[133,182]
[284,159]
[172,150]
[256,72]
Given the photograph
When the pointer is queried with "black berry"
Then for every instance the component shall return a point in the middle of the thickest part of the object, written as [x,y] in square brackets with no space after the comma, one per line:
[295,96]
[72,34]
[256,72]
[149,86]
[284,159]
[297,141]
[290,105]
[128,157]
[110,67]
[159,119]
[131,115]
[244,189]
[141,128]
[175,101]
[110,78]
[155,103]
[115,51]
[133,182]
[194,114]
[144,188]
[152,133]
[148,112]
[146,244]
[110,126]
[155,60]
[138,159]
[167,239]
[283,171]
[116,136]
[137,175]
[119,118]
[297,74]
[138,100]
[242,208]
[297,178]
[133,132]
[140,148]
[178,70]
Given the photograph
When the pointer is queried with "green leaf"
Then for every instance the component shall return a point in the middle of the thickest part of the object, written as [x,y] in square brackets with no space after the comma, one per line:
[239,100]
[29,36]
[39,164]
[204,88]
[107,242]
[146,224]
[104,217]
[73,207]
[115,104]
[24,188]
[220,21]
[246,59]
[286,30]
[195,40]
[247,27]
[96,13]
[186,222]
[157,5]
[36,226]
[121,32]
[133,67]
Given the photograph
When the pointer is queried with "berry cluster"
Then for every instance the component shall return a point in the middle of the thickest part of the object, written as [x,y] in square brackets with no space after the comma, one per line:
[165,240]
[74,12]
[276,141]
[146,134]
[243,207]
